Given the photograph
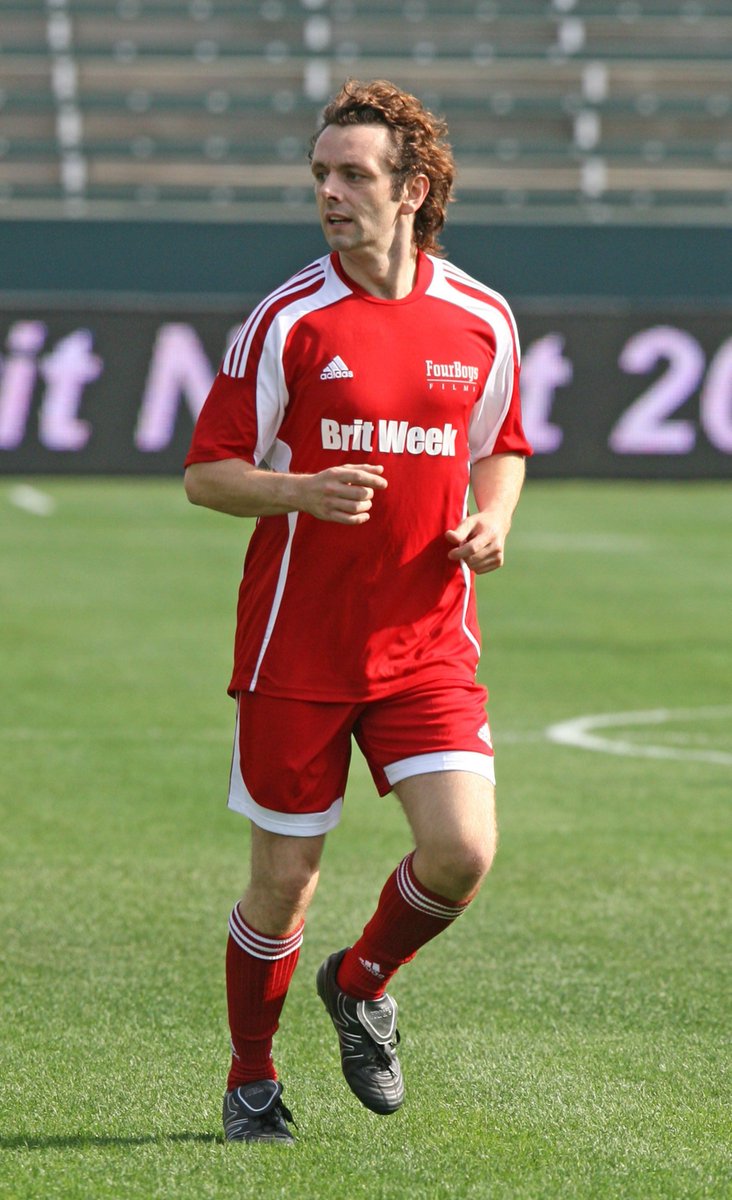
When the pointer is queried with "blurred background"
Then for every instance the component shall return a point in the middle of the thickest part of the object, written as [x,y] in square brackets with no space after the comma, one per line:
[154,184]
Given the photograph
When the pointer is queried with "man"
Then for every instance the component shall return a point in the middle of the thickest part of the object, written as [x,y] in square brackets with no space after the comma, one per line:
[350,415]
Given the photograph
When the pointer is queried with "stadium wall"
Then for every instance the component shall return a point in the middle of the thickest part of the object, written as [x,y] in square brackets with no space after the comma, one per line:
[112,332]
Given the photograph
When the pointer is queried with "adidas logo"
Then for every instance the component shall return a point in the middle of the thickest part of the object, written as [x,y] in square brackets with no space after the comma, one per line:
[484,734]
[373,968]
[336,369]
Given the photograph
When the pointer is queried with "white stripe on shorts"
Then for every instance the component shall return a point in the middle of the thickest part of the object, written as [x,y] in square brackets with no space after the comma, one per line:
[442,760]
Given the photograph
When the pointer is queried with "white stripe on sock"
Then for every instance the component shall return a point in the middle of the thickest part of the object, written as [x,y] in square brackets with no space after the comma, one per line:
[412,895]
[257,945]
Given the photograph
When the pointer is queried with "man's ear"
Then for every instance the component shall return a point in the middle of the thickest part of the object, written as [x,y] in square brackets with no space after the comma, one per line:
[415,194]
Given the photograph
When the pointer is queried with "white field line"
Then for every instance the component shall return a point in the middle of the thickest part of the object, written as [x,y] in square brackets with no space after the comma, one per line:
[32,500]
[581,733]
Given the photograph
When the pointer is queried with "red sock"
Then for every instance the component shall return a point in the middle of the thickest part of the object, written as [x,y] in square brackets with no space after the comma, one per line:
[258,974]
[407,916]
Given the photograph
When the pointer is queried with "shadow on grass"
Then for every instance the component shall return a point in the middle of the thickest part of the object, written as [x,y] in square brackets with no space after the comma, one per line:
[86,1141]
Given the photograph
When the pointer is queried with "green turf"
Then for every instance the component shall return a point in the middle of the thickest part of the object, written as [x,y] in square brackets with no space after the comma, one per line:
[587,1056]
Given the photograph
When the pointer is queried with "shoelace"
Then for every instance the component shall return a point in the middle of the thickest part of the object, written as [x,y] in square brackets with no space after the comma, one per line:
[379,1053]
[271,1119]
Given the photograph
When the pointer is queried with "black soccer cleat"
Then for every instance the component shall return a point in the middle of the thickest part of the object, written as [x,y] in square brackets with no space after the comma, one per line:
[253,1112]
[368,1038]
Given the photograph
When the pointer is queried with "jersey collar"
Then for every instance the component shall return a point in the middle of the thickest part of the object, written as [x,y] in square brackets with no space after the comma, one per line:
[425,272]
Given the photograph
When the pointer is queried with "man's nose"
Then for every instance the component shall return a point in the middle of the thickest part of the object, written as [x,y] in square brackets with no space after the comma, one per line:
[329,185]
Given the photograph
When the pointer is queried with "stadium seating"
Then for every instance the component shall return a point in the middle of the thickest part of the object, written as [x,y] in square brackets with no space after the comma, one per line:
[571,111]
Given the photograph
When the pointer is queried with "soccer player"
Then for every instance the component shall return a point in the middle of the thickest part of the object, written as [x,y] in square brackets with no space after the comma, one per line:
[353,412]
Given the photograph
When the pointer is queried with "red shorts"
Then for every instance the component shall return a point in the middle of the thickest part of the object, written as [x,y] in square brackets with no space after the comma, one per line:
[291,757]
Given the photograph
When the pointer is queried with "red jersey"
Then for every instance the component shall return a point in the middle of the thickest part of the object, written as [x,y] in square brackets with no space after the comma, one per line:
[323,374]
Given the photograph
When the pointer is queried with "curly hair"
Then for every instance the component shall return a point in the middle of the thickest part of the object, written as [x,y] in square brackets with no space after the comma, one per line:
[419,146]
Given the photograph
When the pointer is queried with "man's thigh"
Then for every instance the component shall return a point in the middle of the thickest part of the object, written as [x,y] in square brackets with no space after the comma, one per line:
[450,808]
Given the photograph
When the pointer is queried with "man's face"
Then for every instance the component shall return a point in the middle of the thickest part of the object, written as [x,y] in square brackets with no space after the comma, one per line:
[354,188]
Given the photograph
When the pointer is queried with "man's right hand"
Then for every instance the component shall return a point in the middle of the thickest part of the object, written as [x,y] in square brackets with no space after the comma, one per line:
[341,494]
[231,485]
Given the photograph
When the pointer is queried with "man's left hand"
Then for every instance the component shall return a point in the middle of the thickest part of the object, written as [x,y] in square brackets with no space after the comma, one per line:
[479,542]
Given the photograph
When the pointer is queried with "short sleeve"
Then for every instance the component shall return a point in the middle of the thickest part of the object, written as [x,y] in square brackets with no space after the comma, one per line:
[245,406]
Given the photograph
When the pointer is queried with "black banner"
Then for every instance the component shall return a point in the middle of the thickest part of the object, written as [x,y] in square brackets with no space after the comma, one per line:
[607,392]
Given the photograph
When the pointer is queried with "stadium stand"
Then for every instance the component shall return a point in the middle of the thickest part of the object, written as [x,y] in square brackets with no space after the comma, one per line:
[566,111]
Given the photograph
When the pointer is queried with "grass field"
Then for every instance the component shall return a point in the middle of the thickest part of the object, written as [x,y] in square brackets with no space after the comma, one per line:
[588,1056]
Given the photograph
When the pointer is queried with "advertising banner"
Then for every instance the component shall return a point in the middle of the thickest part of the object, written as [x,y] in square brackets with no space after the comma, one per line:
[608,390]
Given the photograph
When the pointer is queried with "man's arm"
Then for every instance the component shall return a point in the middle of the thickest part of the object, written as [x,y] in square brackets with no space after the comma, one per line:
[231,485]
[479,540]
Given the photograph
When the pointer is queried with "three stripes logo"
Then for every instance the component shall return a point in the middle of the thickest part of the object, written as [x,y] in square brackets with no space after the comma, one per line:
[336,369]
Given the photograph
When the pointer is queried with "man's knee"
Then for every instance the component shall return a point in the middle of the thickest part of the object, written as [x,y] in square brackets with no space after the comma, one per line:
[284,875]
[455,869]
[455,860]
[452,815]
[290,880]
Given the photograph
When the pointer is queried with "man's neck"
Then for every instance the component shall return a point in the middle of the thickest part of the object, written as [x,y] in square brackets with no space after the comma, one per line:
[386,277]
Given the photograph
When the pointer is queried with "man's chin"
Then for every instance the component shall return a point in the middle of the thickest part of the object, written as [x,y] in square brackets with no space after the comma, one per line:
[339,238]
